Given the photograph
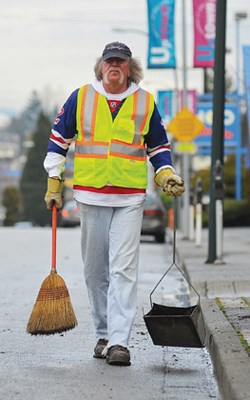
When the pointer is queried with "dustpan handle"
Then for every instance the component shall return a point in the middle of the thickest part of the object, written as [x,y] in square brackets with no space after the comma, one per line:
[174,258]
[174,250]
[156,286]
[54,226]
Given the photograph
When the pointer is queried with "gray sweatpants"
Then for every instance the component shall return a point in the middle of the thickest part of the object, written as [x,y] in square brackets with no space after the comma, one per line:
[110,251]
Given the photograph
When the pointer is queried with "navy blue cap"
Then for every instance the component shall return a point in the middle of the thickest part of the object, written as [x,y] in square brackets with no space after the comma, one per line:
[116,50]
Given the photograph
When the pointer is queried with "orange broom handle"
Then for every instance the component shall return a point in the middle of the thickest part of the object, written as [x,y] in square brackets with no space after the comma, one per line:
[54,224]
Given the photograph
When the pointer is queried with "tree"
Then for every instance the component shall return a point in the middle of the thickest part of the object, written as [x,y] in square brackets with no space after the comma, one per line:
[209,81]
[25,122]
[12,203]
[229,174]
[34,178]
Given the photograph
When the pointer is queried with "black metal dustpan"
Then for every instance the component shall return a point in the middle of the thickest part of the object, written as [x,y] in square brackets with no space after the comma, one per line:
[175,326]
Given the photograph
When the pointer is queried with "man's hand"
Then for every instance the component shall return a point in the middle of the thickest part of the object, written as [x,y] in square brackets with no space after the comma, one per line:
[54,193]
[172,184]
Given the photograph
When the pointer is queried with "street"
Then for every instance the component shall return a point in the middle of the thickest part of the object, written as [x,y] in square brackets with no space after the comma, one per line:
[62,366]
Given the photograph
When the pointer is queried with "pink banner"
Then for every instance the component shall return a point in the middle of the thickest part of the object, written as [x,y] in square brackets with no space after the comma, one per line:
[191,100]
[204,13]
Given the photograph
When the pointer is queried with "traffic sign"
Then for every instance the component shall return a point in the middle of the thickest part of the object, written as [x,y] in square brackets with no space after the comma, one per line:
[185,147]
[185,126]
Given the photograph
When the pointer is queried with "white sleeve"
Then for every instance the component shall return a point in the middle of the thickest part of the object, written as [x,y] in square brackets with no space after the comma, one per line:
[54,164]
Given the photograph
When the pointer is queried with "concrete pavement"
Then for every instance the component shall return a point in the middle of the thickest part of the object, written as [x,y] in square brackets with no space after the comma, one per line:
[224,288]
[62,367]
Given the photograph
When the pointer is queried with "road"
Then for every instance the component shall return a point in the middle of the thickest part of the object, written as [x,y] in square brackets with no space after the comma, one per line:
[62,366]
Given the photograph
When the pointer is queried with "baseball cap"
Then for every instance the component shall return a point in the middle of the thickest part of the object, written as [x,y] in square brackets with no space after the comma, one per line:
[116,49]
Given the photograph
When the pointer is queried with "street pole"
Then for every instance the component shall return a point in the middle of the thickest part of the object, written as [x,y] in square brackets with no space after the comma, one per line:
[237,58]
[217,151]
[219,197]
[238,17]
[185,164]
[238,102]
[198,209]
[191,214]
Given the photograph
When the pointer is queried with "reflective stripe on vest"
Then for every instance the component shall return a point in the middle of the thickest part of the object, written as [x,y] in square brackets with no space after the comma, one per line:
[88,101]
[132,152]
[97,150]
[140,112]
[93,150]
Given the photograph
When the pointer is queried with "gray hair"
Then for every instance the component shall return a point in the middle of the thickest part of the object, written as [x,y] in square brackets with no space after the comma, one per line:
[136,73]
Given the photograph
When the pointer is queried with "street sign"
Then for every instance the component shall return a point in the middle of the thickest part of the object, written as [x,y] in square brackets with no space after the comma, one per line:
[185,126]
[185,147]
[231,124]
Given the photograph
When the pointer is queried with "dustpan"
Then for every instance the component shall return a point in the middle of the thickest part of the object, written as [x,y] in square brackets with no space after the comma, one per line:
[175,326]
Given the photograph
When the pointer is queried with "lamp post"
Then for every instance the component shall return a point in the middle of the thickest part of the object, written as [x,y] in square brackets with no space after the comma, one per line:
[186,158]
[217,150]
[239,16]
[130,30]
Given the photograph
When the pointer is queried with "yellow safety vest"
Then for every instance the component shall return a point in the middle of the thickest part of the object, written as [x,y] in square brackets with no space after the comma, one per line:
[108,151]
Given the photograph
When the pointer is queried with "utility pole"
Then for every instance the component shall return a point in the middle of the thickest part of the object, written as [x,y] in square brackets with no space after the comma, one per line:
[217,152]
[239,16]
[186,160]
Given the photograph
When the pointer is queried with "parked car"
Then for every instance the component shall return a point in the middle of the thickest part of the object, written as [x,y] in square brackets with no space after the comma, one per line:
[23,224]
[70,215]
[153,222]
[154,217]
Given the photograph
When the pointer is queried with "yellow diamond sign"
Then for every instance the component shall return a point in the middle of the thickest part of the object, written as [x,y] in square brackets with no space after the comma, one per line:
[185,126]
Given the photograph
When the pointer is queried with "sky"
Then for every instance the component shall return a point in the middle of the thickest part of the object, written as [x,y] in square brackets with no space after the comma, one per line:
[51,46]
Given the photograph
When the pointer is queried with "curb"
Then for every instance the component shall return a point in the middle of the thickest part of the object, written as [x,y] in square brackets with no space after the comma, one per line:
[230,361]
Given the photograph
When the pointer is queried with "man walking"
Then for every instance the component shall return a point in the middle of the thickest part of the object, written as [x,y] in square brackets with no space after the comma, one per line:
[116,125]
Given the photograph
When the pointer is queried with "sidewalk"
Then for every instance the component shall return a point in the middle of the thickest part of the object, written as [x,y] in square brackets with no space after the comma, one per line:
[224,289]
[62,366]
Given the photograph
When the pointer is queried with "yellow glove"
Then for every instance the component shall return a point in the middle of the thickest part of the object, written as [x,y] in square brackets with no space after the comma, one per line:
[54,193]
[173,185]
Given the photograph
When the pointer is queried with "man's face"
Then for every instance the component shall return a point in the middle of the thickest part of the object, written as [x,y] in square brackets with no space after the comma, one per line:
[115,70]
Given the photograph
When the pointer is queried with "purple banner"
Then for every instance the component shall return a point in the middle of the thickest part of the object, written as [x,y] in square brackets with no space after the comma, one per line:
[204,13]
[191,100]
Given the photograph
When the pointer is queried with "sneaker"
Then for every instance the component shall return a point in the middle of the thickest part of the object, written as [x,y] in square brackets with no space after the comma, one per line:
[118,355]
[99,348]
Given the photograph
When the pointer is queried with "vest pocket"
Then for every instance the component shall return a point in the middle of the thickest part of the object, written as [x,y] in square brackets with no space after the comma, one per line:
[128,173]
[123,130]
[84,171]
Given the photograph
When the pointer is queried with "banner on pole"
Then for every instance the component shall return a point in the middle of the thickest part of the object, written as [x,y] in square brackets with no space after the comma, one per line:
[165,105]
[161,46]
[191,100]
[204,16]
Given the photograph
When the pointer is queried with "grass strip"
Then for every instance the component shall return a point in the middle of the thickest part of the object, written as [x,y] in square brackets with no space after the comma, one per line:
[243,341]
[220,305]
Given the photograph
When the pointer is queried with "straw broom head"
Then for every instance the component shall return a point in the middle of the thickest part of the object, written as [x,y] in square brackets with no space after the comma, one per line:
[53,311]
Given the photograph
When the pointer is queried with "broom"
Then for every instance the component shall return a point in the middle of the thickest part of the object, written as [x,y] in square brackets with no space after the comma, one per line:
[53,311]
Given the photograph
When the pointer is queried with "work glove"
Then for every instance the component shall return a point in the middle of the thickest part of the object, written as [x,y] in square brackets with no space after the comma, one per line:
[172,184]
[54,193]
